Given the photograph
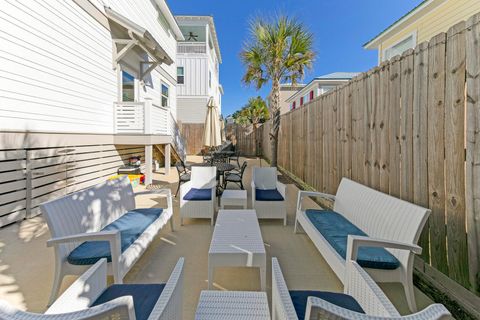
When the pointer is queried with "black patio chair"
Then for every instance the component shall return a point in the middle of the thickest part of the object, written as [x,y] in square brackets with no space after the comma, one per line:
[183,174]
[235,158]
[235,176]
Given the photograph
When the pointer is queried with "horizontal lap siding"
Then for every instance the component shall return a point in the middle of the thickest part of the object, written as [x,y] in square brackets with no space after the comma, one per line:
[55,69]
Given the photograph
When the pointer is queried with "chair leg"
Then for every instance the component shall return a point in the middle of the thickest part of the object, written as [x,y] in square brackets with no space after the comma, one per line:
[241,185]
[57,281]
[409,292]
[178,188]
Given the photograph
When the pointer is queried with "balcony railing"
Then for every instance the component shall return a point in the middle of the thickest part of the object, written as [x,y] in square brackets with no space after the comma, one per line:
[192,47]
[141,118]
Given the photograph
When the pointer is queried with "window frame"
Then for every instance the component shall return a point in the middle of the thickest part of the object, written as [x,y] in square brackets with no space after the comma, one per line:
[162,96]
[122,68]
[183,75]
[413,35]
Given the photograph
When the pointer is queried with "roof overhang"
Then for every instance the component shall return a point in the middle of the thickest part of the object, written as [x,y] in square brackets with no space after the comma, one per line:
[137,36]
[313,83]
[211,25]
[411,16]
[163,6]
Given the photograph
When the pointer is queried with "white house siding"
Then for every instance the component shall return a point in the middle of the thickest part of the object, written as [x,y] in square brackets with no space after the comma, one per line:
[55,69]
[196,75]
[192,109]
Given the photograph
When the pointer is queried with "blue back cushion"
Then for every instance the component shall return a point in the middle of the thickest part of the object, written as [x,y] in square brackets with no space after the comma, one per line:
[131,225]
[144,296]
[335,228]
[268,195]
[299,299]
[198,195]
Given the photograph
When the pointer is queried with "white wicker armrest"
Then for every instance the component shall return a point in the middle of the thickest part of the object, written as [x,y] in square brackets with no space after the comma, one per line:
[119,308]
[169,304]
[112,235]
[282,305]
[282,189]
[354,242]
[184,187]
[86,289]
[302,194]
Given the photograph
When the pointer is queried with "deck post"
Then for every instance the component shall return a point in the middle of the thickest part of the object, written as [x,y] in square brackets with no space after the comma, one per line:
[148,164]
[167,159]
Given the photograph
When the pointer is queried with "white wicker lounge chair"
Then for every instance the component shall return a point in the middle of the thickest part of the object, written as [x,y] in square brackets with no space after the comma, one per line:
[268,194]
[377,220]
[197,196]
[85,221]
[89,298]
[361,293]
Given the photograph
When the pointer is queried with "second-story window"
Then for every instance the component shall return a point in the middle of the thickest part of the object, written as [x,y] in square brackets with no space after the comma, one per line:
[128,86]
[209,79]
[165,90]
[180,75]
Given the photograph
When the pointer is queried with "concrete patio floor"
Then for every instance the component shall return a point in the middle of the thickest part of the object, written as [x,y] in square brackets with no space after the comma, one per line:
[26,264]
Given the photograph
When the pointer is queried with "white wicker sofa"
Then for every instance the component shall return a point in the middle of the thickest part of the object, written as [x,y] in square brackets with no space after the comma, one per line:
[268,194]
[102,222]
[197,196]
[376,220]
[89,298]
[362,299]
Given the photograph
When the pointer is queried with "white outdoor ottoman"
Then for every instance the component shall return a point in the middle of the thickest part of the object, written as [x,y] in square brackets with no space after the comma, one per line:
[234,198]
[232,305]
[237,242]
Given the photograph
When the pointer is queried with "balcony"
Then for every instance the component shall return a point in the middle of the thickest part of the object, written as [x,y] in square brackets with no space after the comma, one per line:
[148,118]
[192,47]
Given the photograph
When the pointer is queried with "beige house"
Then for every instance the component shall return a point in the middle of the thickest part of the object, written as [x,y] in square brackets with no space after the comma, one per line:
[286,91]
[423,22]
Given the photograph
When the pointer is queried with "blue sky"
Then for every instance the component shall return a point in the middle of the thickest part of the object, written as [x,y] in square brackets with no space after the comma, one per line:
[339,27]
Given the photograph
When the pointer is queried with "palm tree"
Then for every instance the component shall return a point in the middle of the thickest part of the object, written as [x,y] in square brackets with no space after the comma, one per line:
[277,51]
[253,113]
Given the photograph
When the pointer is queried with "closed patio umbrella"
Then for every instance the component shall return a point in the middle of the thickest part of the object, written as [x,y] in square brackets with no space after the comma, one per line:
[212,136]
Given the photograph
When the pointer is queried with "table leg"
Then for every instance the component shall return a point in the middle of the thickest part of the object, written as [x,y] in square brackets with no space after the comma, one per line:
[210,275]
[263,277]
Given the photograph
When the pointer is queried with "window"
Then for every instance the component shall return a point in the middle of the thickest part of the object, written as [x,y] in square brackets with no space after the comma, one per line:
[399,47]
[164,95]
[209,79]
[301,101]
[128,86]
[180,75]
[311,95]
[293,105]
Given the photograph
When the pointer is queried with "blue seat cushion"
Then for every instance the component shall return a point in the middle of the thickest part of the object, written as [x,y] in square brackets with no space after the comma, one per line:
[268,195]
[335,228]
[299,299]
[144,296]
[131,225]
[198,195]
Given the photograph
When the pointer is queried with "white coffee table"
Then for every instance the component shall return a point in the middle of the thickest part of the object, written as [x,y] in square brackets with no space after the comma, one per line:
[234,198]
[232,305]
[237,242]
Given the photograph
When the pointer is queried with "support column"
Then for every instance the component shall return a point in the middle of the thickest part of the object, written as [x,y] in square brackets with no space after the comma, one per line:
[167,159]
[148,164]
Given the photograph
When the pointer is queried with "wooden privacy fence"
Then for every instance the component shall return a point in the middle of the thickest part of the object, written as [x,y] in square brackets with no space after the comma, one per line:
[409,127]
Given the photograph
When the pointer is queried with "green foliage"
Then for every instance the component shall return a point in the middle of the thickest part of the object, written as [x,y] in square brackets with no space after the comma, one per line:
[253,113]
[278,50]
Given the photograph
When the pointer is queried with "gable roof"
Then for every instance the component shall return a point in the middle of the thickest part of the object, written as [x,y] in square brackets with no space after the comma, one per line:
[421,9]
[337,76]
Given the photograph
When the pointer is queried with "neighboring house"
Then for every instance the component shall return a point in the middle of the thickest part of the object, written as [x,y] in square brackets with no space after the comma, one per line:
[198,60]
[422,23]
[286,91]
[317,87]
[84,85]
